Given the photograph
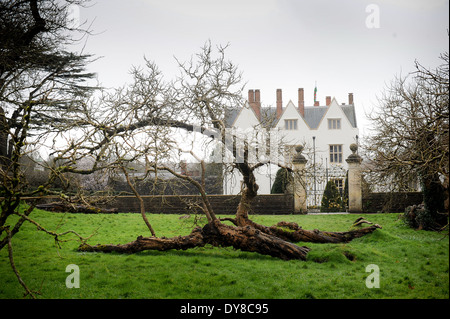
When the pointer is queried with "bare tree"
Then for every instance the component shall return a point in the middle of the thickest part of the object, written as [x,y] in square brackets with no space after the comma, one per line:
[142,123]
[44,97]
[411,137]
[40,83]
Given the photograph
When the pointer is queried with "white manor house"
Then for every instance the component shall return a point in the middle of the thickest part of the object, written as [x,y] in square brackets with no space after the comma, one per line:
[325,131]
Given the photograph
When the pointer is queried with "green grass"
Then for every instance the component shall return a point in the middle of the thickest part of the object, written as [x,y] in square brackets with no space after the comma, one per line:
[413,264]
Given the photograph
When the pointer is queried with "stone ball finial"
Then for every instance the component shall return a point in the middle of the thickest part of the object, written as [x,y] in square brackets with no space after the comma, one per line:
[354,158]
[299,149]
[299,158]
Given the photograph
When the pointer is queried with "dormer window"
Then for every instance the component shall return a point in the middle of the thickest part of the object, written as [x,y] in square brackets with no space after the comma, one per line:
[334,124]
[290,125]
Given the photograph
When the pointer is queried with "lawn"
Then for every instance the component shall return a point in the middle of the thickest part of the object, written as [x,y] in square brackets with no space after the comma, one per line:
[412,264]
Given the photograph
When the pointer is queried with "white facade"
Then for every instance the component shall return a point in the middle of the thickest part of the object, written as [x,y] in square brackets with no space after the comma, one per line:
[326,132]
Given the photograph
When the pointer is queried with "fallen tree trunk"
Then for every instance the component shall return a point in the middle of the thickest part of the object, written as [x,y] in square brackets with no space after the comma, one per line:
[194,239]
[251,239]
[215,234]
[289,231]
[316,236]
[294,233]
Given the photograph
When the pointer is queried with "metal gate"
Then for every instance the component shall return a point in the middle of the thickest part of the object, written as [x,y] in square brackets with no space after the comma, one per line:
[317,179]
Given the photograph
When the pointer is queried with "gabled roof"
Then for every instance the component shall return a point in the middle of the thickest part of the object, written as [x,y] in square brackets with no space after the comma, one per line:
[268,113]
[314,114]
[230,116]
[349,111]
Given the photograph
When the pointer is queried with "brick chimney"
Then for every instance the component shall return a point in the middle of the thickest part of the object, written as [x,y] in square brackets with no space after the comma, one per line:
[316,103]
[279,103]
[251,97]
[301,101]
[254,100]
[258,97]
[350,98]
[328,100]
[257,107]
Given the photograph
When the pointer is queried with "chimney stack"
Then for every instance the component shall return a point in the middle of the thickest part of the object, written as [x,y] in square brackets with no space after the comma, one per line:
[258,98]
[279,103]
[257,107]
[316,103]
[350,98]
[301,101]
[254,99]
[328,100]
[251,97]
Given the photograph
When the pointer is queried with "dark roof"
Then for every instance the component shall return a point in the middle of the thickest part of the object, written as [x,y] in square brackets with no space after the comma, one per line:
[268,113]
[314,114]
[231,115]
[349,111]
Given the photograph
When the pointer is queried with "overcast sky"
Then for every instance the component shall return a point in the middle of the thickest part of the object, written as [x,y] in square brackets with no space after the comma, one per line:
[346,46]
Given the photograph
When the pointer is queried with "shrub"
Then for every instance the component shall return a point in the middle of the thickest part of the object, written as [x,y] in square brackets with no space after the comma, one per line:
[282,179]
[331,200]
[345,195]
[435,215]
[431,214]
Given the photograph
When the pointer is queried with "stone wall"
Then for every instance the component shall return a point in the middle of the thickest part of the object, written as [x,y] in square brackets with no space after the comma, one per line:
[222,204]
[390,202]
[275,204]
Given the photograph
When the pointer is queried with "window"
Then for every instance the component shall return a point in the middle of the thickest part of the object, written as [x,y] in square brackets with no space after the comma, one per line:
[290,124]
[335,153]
[334,124]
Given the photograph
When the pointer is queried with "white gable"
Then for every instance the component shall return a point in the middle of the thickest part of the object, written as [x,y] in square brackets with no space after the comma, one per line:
[345,135]
[334,112]
[295,136]
[246,118]
[291,113]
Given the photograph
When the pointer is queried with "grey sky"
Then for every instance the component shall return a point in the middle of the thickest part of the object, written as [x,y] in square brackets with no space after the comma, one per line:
[283,44]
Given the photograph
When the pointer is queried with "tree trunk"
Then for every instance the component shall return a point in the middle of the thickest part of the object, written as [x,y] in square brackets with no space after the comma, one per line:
[194,239]
[216,234]
[251,239]
[294,233]
[316,236]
